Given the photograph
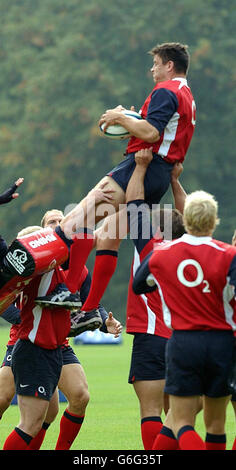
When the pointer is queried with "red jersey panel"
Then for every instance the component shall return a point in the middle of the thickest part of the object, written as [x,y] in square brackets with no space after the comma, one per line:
[175,140]
[48,328]
[192,278]
[144,312]
[14,331]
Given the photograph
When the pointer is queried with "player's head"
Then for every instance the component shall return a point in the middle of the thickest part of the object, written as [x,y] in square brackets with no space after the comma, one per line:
[200,213]
[234,238]
[169,59]
[175,220]
[52,218]
[28,230]
[167,224]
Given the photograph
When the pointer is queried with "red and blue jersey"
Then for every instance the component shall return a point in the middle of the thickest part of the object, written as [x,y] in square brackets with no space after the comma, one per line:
[196,280]
[170,108]
[144,312]
[48,328]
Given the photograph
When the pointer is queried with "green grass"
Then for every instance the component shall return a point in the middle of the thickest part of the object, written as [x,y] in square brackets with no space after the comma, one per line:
[112,419]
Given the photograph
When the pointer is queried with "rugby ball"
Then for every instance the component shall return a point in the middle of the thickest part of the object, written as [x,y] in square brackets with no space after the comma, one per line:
[119,132]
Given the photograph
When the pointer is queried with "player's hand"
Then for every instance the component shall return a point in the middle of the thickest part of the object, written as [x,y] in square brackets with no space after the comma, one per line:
[113,326]
[117,108]
[110,118]
[144,157]
[101,194]
[17,183]
[176,171]
[10,193]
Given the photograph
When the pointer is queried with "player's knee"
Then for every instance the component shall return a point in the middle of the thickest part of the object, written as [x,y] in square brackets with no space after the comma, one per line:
[79,399]
[5,401]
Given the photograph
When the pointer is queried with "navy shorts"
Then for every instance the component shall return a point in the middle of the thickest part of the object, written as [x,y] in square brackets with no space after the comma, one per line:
[68,356]
[232,379]
[157,177]
[36,370]
[199,363]
[8,356]
[148,357]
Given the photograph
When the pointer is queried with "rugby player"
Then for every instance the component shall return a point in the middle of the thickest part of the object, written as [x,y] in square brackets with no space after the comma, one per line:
[168,124]
[144,312]
[72,383]
[196,279]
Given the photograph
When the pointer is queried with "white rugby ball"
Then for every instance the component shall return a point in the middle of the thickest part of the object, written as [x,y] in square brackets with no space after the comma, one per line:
[119,132]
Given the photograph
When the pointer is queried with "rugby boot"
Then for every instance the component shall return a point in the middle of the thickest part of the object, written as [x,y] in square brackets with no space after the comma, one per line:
[83,321]
[60,297]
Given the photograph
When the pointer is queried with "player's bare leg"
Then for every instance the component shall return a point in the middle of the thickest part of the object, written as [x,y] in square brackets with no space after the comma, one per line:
[184,410]
[87,214]
[33,411]
[52,412]
[7,388]
[73,384]
[214,418]
[150,394]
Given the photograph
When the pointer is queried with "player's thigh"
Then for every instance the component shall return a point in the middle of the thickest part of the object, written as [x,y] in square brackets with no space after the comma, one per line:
[7,384]
[83,215]
[118,195]
[112,231]
[73,382]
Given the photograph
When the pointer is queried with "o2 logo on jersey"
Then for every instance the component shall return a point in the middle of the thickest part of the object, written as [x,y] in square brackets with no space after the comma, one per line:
[199,275]
[193,113]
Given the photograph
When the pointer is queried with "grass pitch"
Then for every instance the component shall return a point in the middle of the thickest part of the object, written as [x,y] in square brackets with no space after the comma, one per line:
[112,419]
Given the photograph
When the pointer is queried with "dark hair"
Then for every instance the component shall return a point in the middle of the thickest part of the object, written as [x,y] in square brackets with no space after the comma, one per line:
[174,51]
[178,228]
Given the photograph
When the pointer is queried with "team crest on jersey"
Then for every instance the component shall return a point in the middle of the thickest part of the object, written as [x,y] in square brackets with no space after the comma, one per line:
[17,259]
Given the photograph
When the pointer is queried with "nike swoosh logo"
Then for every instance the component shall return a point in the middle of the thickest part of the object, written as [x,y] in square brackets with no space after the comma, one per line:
[22,386]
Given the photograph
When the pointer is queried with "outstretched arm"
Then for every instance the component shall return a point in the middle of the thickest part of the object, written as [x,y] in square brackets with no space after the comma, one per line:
[135,188]
[10,193]
[178,191]
[138,212]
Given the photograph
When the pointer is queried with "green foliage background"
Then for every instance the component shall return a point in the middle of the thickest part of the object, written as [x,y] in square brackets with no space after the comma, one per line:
[62,63]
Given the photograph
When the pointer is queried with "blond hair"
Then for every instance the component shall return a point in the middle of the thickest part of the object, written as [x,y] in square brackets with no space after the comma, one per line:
[200,213]
[48,213]
[27,230]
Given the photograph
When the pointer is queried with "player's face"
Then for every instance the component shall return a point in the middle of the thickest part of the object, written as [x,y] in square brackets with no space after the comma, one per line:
[159,70]
[53,220]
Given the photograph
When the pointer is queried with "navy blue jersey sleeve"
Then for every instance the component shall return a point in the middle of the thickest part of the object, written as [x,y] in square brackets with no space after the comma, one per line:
[7,195]
[162,106]
[84,292]
[232,273]
[104,316]
[3,248]
[140,285]
[139,223]
[12,315]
